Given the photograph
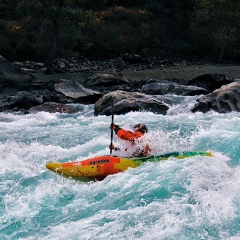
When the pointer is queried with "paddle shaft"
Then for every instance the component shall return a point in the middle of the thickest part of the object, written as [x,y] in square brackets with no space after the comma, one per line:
[112,124]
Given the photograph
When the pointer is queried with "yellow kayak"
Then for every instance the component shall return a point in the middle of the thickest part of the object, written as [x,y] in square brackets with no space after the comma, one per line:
[98,168]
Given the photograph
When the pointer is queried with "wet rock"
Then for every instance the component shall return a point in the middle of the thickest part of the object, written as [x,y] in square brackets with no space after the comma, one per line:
[52,107]
[106,79]
[25,100]
[13,79]
[210,81]
[108,82]
[4,104]
[125,102]
[167,87]
[73,92]
[223,100]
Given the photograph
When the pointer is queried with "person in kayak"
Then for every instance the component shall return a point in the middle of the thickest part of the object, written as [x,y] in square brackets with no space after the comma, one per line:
[135,138]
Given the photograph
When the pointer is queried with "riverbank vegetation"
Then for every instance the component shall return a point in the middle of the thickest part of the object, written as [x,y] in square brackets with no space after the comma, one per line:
[42,30]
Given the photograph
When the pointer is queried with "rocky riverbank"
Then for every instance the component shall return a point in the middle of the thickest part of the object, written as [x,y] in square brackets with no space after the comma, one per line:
[31,87]
[133,70]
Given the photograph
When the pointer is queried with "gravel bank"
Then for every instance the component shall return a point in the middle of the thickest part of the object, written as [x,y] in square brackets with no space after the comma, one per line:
[179,74]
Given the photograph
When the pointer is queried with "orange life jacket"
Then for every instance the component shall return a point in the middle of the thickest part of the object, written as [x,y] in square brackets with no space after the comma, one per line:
[132,136]
[128,135]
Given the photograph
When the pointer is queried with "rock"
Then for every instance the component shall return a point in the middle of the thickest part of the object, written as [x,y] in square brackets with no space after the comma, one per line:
[21,91]
[26,100]
[23,100]
[52,107]
[106,80]
[125,102]
[210,82]
[13,79]
[223,100]
[133,58]
[167,87]
[71,91]
[4,104]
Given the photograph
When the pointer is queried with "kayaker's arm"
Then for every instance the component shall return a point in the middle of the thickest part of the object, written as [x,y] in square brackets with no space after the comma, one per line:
[126,134]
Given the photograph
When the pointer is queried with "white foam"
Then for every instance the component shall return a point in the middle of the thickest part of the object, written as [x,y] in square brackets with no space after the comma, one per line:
[194,198]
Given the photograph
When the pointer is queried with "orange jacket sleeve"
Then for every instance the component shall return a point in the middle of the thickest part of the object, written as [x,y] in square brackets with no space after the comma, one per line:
[128,135]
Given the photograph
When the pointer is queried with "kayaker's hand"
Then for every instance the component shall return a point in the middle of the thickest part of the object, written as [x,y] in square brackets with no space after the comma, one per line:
[113,126]
[111,147]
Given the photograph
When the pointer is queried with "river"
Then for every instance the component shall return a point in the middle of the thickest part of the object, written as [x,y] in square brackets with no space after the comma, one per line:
[194,198]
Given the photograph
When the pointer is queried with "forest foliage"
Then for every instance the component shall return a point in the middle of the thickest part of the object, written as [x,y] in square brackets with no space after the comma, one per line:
[42,30]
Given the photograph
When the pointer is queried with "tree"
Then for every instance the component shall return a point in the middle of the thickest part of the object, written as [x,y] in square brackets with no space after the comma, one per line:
[41,21]
[52,12]
[7,9]
[219,21]
[171,20]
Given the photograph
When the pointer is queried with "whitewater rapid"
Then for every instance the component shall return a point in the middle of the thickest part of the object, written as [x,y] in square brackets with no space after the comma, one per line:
[194,198]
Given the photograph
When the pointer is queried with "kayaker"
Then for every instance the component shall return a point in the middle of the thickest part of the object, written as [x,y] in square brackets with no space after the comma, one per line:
[135,138]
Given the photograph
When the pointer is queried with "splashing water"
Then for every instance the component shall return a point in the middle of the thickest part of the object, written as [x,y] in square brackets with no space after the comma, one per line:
[194,198]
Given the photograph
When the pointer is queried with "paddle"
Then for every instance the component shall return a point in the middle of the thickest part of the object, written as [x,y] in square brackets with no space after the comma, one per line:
[112,124]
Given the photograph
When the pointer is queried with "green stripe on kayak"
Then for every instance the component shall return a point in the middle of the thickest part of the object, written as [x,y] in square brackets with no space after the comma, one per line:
[179,155]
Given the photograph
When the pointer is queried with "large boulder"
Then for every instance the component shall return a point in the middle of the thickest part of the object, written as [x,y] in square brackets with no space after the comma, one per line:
[223,100]
[13,79]
[167,87]
[106,79]
[23,100]
[124,102]
[210,81]
[73,92]
[107,82]
[26,100]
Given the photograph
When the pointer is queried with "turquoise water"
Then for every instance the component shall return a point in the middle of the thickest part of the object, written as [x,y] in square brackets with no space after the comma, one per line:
[194,198]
